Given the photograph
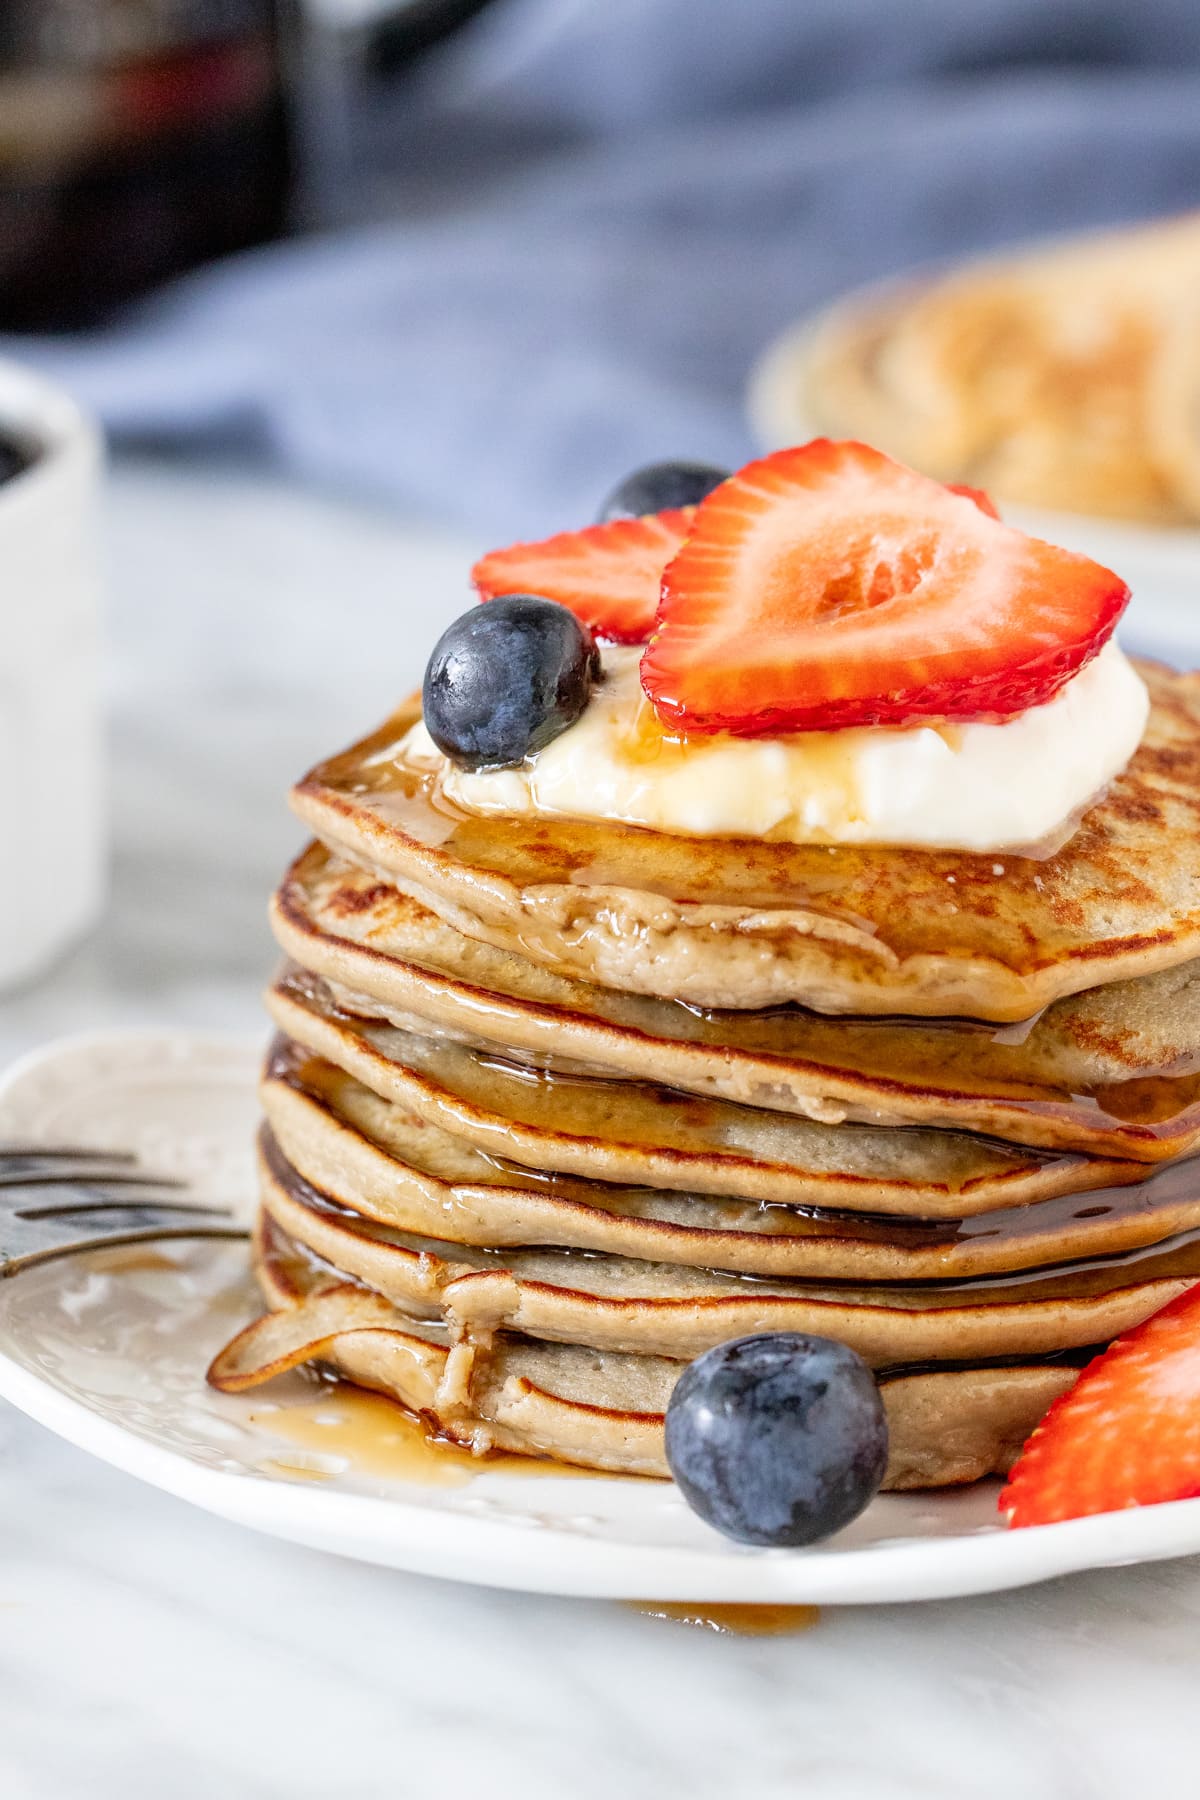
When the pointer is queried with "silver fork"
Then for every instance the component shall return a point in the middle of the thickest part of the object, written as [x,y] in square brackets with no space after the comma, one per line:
[61,1200]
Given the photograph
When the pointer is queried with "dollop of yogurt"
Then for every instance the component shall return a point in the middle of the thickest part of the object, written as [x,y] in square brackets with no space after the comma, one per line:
[973,786]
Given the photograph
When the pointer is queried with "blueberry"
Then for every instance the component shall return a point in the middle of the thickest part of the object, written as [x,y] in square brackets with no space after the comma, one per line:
[506,678]
[659,487]
[777,1439]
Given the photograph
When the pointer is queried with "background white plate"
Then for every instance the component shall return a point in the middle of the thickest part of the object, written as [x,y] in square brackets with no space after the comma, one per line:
[1162,566]
[114,1362]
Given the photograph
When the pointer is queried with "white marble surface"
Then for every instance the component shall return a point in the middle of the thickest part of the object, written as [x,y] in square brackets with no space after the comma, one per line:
[147,1650]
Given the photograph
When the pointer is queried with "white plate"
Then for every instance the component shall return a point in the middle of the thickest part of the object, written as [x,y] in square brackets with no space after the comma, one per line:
[1161,565]
[114,1362]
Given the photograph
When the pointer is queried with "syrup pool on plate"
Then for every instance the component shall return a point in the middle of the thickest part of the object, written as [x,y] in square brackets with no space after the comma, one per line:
[346,1430]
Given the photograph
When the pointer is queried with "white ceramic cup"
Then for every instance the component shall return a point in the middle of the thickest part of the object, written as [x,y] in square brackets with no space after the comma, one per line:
[52,815]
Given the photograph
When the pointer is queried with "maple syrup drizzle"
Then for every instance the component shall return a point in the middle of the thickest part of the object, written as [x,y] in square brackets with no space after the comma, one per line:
[132,1259]
[349,1431]
[732,1620]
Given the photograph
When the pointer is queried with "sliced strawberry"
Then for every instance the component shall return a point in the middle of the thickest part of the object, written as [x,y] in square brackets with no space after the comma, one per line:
[830,586]
[1127,1433]
[982,500]
[609,575]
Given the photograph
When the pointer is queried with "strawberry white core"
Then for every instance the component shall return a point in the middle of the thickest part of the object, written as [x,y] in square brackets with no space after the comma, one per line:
[970,786]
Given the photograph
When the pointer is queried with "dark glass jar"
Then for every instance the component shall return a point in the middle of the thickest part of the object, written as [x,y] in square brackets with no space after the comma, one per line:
[137,138]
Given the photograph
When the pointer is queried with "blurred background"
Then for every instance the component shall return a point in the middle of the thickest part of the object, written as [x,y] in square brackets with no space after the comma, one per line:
[513,246]
[358,287]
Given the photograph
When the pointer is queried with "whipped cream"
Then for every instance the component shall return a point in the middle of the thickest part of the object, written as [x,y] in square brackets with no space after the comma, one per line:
[968,785]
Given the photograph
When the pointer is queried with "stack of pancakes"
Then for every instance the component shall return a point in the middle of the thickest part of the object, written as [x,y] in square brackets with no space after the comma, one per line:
[557,1104]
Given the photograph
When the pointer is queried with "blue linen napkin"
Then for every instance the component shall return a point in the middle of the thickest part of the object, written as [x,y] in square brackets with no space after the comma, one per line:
[600,211]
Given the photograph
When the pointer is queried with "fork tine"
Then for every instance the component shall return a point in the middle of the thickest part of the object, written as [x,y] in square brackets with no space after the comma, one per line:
[61,1201]
[60,1158]
[50,1151]
[21,1163]
[28,1176]
[13,1264]
[70,1193]
[144,1209]
[29,1230]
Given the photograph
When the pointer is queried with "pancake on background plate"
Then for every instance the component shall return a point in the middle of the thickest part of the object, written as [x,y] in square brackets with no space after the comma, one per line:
[1064,375]
[576,1083]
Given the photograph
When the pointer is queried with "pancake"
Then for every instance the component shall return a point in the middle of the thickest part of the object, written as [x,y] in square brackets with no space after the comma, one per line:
[640,1133]
[751,923]
[1173,402]
[393,1166]
[1039,375]
[964,381]
[607,1302]
[1113,1071]
[599,1410]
